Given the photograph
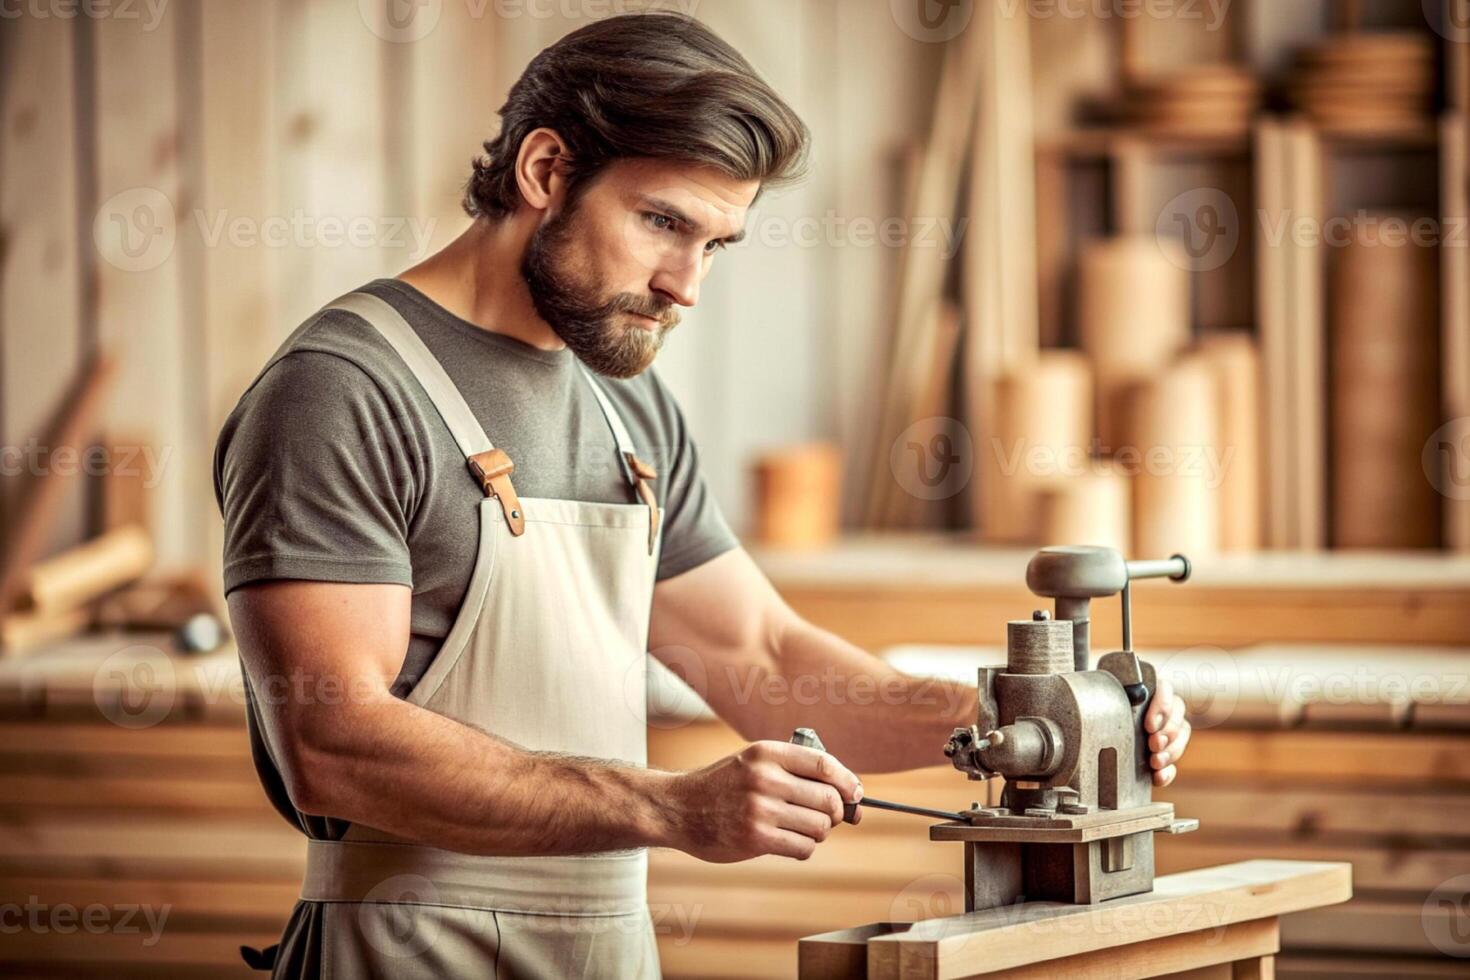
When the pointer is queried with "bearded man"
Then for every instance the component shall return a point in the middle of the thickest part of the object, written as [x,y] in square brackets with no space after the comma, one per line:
[460,510]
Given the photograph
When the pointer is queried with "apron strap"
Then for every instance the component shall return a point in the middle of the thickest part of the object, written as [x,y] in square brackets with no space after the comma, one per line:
[637,472]
[491,467]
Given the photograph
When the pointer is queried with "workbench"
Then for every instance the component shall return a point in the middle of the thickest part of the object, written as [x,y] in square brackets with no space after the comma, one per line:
[1215,922]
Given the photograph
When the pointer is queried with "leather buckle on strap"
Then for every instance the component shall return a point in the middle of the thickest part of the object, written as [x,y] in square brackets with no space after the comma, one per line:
[643,473]
[493,469]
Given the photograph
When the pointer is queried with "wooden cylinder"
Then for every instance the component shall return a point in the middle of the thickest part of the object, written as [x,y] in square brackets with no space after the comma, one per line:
[1093,508]
[1236,364]
[1384,391]
[1041,435]
[798,496]
[1173,452]
[83,573]
[1133,315]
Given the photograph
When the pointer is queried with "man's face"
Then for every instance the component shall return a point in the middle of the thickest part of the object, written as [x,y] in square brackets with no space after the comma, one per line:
[607,273]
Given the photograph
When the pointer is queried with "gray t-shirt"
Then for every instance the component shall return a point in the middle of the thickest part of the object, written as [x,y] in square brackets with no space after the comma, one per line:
[336,467]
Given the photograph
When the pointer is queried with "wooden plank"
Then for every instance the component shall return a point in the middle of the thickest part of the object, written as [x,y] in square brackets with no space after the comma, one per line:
[215,949]
[60,794]
[724,958]
[44,739]
[1401,928]
[1308,812]
[922,268]
[1336,756]
[47,495]
[1186,954]
[1401,869]
[1183,903]
[1307,339]
[999,276]
[1327,966]
[42,337]
[268,903]
[1272,273]
[882,616]
[1454,278]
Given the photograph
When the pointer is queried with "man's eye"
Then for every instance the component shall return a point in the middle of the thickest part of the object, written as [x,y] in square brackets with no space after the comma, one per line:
[660,222]
[713,245]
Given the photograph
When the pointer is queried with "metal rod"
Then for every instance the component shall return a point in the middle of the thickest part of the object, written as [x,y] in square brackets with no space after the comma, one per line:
[1127,621]
[922,811]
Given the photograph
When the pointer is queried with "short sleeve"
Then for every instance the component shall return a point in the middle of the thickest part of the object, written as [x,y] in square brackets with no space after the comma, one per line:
[314,476]
[695,529]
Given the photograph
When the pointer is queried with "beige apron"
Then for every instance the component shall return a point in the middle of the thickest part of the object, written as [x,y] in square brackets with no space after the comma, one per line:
[548,651]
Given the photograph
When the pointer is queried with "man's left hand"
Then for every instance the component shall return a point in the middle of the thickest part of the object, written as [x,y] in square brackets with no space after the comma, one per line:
[1168,732]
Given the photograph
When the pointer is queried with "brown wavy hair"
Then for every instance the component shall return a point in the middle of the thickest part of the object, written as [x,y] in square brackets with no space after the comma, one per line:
[658,85]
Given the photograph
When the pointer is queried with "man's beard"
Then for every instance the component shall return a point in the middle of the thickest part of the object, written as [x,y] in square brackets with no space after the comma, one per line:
[598,332]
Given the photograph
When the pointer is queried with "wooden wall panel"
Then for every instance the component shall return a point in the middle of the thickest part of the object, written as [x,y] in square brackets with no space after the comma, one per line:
[454,97]
[42,335]
[141,204]
[332,156]
[231,59]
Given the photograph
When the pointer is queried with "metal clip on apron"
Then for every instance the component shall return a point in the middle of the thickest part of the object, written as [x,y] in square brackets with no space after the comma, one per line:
[517,665]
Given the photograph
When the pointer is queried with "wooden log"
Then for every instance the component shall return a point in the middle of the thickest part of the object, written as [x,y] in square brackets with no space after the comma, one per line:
[84,573]
[1175,432]
[1384,395]
[798,496]
[1133,310]
[1041,435]
[1235,361]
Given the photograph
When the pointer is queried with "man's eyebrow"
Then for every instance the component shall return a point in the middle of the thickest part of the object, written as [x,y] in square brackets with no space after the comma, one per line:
[695,228]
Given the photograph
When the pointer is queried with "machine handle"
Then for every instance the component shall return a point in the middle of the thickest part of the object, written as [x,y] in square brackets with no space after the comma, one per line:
[1175,567]
[808,738]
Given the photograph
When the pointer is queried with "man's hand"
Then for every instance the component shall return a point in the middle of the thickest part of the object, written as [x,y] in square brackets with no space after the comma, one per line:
[769,798]
[1169,732]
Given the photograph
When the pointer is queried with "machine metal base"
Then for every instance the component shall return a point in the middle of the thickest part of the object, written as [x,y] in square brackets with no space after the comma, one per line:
[1082,859]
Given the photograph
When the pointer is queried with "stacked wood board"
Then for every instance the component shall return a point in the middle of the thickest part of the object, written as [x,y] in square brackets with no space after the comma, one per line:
[1216,100]
[1366,81]
[1290,301]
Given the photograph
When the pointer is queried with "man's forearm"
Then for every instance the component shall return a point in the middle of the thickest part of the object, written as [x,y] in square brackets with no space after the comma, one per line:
[416,774]
[871,716]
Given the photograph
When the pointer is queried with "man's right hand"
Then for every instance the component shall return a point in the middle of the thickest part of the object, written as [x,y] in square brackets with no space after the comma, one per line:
[769,798]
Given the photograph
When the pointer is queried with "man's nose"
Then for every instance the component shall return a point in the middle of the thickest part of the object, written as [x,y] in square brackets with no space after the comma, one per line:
[679,281]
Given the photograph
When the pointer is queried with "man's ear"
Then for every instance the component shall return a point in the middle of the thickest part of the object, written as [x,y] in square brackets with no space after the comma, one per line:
[540,168]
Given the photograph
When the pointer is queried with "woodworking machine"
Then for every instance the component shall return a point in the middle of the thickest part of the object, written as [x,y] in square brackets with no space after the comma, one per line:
[1077,819]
